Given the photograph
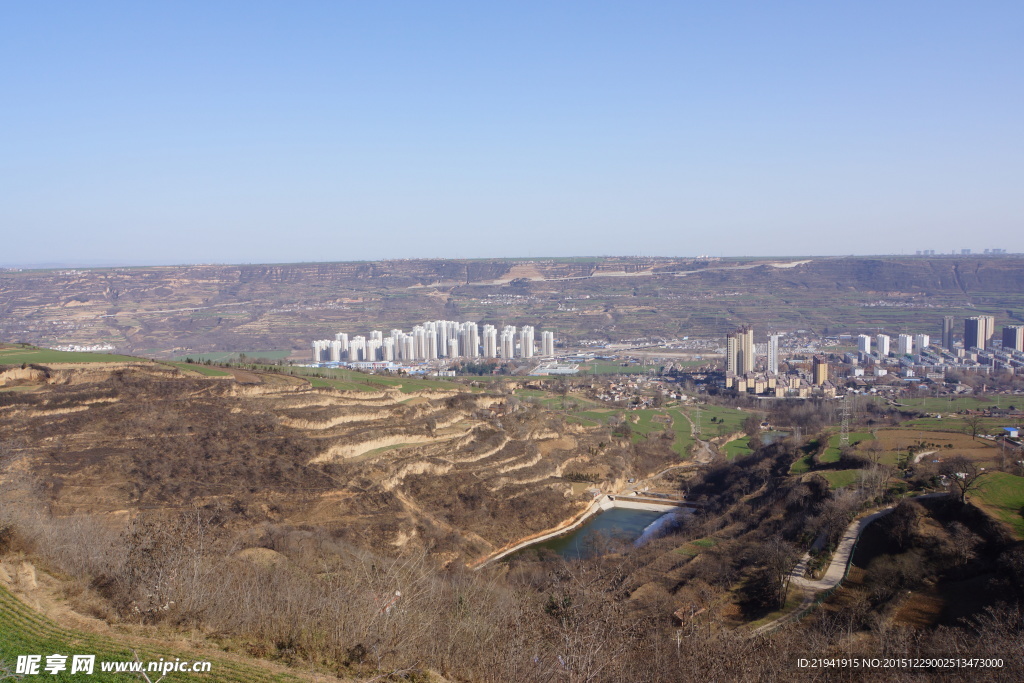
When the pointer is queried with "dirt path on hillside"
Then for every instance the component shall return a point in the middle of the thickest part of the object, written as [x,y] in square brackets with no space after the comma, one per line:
[835,573]
[704,453]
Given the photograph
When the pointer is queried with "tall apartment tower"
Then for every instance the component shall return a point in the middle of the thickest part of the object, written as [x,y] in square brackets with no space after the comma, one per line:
[526,341]
[547,344]
[921,342]
[740,351]
[357,348]
[1013,338]
[978,331]
[947,332]
[474,340]
[490,341]
[507,343]
[864,344]
[819,370]
[773,354]
[882,345]
[904,345]
[419,336]
[441,330]
[373,349]
[990,327]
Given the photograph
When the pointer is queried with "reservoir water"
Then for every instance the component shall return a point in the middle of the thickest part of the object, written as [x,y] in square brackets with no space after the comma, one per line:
[623,523]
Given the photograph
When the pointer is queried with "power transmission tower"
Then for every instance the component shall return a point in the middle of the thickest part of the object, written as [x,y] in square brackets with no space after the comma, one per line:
[844,428]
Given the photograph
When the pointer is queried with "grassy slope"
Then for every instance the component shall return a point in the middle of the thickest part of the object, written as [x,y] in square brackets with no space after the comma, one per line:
[831,454]
[838,479]
[738,447]
[1002,496]
[25,632]
[684,433]
[728,420]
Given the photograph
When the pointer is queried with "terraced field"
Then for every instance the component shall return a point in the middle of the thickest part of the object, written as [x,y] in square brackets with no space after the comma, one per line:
[403,461]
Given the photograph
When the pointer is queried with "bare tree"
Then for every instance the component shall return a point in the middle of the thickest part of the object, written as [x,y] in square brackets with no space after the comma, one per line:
[963,474]
[972,425]
[964,543]
[874,478]
[779,557]
[875,450]
[903,522]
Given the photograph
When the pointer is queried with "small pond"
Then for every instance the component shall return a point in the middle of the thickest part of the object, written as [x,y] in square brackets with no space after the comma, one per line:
[624,523]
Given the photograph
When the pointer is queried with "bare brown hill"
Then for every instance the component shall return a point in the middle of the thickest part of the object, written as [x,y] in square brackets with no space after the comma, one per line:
[175,310]
[439,473]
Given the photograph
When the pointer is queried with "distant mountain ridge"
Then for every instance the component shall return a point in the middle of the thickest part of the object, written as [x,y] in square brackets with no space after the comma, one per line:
[164,309]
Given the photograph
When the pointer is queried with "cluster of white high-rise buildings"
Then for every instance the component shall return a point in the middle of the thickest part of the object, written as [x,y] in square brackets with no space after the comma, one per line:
[434,340]
[906,344]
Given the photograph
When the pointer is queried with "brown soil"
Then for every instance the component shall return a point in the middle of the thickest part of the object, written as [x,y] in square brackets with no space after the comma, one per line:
[962,444]
[373,470]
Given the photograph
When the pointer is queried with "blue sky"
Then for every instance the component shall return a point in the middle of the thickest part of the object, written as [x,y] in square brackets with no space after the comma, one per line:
[193,132]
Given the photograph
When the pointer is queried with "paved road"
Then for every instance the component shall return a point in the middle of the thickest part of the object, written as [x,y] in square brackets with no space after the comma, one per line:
[836,571]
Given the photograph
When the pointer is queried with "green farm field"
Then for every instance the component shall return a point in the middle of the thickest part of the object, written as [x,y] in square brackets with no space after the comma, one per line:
[946,404]
[609,368]
[727,420]
[235,356]
[17,355]
[206,370]
[351,380]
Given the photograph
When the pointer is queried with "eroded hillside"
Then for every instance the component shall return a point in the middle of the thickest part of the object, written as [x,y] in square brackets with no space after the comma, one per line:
[459,474]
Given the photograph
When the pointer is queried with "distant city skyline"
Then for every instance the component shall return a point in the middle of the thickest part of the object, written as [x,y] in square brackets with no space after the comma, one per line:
[186,133]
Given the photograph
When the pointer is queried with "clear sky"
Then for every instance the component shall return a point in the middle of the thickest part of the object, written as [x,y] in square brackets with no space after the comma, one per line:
[193,132]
